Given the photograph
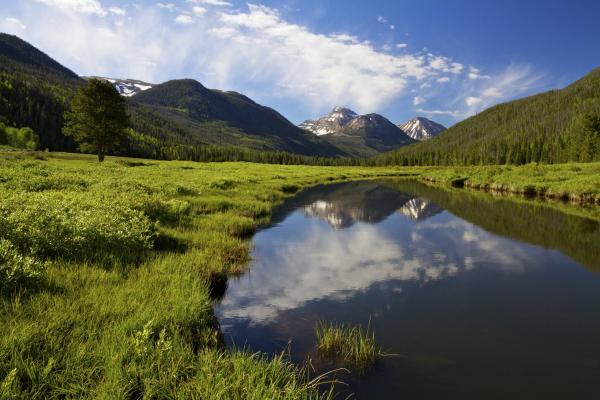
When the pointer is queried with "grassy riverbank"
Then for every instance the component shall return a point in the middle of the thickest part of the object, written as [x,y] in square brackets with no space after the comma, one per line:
[109,271]
[576,182]
[124,256]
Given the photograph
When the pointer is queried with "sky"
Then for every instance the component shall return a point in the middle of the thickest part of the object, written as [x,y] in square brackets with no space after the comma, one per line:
[442,59]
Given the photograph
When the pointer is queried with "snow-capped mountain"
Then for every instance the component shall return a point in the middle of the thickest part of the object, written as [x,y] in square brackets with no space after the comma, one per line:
[419,209]
[420,128]
[358,135]
[126,87]
[334,122]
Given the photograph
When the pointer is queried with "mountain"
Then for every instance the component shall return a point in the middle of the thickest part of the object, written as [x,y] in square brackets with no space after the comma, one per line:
[358,135]
[212,116]
[419,209]
[126,87]
[552,127]
[169,120]
[420,128]
[332,123]
[35,91]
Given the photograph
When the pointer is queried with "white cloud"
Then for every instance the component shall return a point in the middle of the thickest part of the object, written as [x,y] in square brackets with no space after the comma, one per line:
[183,19]
[475,73]
[198,10]
[382,19]
[167,6]
[450,113]
[256,51]
[220,3]
[418,100]
[343,264]
[16,22]
[473,101]
[117,11]
[82,6]
[325,69]
[392,27]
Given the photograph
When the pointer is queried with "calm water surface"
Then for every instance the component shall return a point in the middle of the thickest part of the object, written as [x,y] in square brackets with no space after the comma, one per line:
[479,297]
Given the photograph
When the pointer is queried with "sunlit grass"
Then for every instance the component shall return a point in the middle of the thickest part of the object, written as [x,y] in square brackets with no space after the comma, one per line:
[134,254]
[353,345]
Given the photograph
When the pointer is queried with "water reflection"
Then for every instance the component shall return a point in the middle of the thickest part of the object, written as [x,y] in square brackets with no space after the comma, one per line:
[479,296]
[305,260]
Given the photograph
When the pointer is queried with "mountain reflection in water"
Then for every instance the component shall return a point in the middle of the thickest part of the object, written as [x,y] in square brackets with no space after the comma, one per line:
[481,297]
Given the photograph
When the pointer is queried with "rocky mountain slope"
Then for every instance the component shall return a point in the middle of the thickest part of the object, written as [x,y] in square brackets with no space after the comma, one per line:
[358,135]
[421,128]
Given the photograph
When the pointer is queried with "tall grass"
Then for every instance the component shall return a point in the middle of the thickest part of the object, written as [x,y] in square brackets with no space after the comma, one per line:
[354,346]
[125,260]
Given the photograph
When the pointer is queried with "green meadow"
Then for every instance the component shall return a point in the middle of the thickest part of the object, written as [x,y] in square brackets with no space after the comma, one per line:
[109,271]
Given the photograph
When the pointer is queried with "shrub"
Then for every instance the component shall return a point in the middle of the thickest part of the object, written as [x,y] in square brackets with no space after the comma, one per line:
[51,224]
[16,269]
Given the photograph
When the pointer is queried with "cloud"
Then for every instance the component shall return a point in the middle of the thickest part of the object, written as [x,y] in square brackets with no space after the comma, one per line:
[198,10]
[167,6]
[82,6]
[381,19]
[450,113]
[16,22]
[342,264]
[324,69]
[117,11]
[220,3]
[418,100]
[473,101]
[254,50]
[475,73]
[183,19]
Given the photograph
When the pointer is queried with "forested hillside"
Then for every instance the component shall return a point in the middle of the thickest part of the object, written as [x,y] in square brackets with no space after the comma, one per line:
[190,113]
[176,120]
[35,91]
[557,126]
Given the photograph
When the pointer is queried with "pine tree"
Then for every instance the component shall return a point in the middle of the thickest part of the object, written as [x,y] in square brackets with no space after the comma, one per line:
[97,120]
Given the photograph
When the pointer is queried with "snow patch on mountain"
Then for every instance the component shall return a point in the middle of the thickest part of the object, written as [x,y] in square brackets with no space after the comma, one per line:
[336,120]
[126,87]
[420,128]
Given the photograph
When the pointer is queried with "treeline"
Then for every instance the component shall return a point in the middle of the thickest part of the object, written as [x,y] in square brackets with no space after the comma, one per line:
[553,127]
[145,146]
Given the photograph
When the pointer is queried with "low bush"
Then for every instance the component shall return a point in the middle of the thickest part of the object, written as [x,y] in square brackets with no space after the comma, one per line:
[15,268]
[51,224]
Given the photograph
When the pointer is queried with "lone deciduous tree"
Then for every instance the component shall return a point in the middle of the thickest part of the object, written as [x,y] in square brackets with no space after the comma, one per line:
[97,120]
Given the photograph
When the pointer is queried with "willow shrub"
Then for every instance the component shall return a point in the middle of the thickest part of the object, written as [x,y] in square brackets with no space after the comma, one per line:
[52,224]
[15,268]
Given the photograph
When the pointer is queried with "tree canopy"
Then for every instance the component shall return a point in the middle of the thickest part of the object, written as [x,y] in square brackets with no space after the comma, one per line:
[98,119]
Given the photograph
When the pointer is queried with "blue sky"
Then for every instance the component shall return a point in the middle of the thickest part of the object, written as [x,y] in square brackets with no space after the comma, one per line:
[442,59]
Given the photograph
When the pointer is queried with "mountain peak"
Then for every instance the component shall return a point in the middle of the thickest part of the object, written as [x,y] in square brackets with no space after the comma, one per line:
[421,128]
[336,120]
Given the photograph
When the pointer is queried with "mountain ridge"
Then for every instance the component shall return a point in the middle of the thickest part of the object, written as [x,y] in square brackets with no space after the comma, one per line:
[421,128]
[358,135]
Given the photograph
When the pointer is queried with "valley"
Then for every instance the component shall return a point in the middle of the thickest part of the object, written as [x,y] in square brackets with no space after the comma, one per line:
[390,204]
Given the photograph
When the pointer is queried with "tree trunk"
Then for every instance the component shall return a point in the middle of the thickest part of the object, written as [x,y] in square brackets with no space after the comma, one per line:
[100,156]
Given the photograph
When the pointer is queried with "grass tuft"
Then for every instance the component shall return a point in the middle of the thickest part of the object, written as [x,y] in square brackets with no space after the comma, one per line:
[352,345]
